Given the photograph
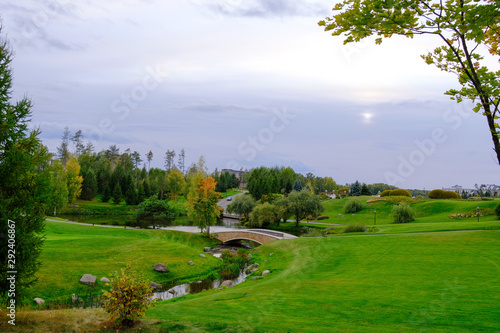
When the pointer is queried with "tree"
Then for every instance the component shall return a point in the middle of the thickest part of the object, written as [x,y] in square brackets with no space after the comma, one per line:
[282,210]
[467,29]
[73,179]
[262,215]
[355,190]
[128,299]
[202,204]
[182,159]
[175,183]
[58,197]
[302,204]
[343,191]
[136,158]
[63,149]
[242,205]
[89,185]
[330,184]
[169,160]
[149,157]
[117,194]
[365,190]
[156,212]
[106,194]
[78,141]
[297,186]
[24,187]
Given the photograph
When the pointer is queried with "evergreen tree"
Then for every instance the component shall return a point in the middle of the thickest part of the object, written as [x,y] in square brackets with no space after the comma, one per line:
[297,186]
[117,194]
[365,190]
[131,196]
[106,195]
[89,185]
[355,189]
[24,188]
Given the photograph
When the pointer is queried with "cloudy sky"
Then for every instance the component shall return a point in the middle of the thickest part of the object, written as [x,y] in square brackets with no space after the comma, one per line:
[244,83]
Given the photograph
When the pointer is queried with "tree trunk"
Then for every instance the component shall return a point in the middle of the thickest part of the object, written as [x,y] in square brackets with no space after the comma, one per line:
[208,231]
[494,135]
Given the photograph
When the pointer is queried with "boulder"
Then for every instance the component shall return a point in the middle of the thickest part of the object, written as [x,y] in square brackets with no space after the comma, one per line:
[161,268]
[266,272]
[227,283]
[39,301]
[154,285]
[74,298]
[202,255]
[105,280]
[250,255]
[88,279]
[190,263]
[171,291]
[137,227]
[206,249]
[199,282]
[254,270]
[270,254]
[255,277]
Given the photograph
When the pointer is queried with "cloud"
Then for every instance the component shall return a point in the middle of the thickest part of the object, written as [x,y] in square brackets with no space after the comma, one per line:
[265,8]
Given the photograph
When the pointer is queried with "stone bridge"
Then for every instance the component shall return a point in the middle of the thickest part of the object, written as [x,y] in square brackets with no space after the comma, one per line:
[260,236]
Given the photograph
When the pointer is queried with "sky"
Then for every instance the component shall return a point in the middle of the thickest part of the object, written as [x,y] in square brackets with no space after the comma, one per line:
[244,83]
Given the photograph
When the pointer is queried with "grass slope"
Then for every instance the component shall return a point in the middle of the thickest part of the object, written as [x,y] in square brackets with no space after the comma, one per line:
[436,282]
[72,250]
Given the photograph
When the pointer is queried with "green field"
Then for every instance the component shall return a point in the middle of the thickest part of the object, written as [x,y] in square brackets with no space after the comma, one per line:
[71,250]
[435,282]
[435,274]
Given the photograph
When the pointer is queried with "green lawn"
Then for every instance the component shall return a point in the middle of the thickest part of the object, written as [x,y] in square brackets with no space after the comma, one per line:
[436,282]
[72,250]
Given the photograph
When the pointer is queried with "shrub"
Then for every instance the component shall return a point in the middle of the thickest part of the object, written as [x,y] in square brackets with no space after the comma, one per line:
[355,227]
[442,194]
[352,206]
[497,211]
[403,213]
[322,217]
[128,298]
[386,193]
[400,192]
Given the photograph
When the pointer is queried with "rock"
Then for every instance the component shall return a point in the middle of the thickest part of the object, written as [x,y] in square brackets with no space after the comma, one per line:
[256,264]
[199,282]
[250,255]
[270,254]
[206,249]
[254,270]
[255,277]
[137,227]
[204,290]
[88,279]
[161,268]
[154,285]
[227,283]
[171,291]
[218,289]
[190,263]
[105,280]
[39,301]
[266,272]
[202,255]
[74,298]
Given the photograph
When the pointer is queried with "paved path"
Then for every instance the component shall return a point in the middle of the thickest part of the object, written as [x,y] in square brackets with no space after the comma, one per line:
[224,203]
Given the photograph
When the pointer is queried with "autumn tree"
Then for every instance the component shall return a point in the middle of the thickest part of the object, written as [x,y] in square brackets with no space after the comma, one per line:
[24,187]
[175,183]
[468,30]
[73,179]
[202,204]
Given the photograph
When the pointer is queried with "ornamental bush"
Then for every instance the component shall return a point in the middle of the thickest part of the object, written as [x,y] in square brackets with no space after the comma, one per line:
[355,227]
[442,194]
[128,299]
[386,193]
[403,213]
[352,206]
[497,211]
[400,192]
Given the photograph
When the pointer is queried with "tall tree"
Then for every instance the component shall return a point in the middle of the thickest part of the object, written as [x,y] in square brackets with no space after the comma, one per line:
[73,179]
[169,160]
[355,190]
[63,150]
[182,160]
[467,29]
[297,186]
[242,205]
[78,142]
[149,157]
[175,183]
[202,204]
[136,158]
[24,187]
[89,184]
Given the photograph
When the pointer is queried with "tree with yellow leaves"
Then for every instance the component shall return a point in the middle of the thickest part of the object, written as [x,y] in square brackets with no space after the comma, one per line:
[202,204]
[73,178]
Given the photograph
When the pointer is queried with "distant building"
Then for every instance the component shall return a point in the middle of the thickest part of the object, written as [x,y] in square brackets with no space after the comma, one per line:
[488,189]
[238,173]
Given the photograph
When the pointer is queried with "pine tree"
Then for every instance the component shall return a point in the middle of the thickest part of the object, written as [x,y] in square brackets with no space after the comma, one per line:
[117,194]
[297,186]
[355,189]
